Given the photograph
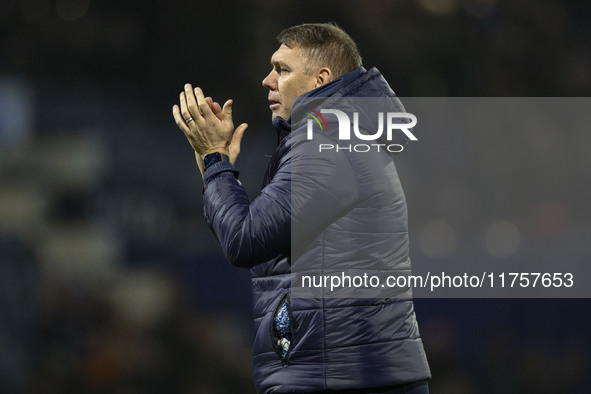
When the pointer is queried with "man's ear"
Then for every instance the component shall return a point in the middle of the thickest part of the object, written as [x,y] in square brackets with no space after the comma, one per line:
[323,76]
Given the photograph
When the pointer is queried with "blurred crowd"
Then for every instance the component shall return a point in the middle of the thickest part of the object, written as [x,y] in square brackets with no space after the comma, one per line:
[110,282]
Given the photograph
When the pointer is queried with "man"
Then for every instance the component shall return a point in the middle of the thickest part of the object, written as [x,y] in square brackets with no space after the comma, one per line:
[315,212]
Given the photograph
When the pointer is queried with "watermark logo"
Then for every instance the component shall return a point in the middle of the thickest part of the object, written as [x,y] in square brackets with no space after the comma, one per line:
[315,117]
[388,122]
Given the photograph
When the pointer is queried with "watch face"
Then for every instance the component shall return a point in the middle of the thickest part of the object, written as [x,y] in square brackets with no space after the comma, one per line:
[211,159]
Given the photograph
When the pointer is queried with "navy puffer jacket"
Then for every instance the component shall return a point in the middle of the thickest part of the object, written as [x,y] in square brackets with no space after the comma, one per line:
[336,343]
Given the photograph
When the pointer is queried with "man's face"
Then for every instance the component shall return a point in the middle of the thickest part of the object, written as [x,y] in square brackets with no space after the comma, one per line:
[287,80]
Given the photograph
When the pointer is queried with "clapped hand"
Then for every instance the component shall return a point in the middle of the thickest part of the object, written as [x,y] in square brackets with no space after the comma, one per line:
[207,125]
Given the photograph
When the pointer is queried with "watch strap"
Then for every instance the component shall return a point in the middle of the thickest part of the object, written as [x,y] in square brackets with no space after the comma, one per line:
[212,158]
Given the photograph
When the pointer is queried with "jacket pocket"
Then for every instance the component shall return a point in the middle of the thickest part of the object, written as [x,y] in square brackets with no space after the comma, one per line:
[282,328]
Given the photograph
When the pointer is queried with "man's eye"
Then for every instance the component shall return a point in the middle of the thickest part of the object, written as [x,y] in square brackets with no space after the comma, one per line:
[283,70]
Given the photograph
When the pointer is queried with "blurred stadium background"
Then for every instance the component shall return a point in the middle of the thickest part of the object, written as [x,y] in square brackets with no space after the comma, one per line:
[110,282]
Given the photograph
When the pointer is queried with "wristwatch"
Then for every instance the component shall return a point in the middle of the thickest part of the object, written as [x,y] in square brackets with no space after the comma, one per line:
[212,158]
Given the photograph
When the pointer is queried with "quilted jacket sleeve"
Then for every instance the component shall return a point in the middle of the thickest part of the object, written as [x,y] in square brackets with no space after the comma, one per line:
[253,233]
[249,233]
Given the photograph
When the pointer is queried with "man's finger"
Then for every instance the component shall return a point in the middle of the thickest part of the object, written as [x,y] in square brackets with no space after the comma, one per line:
[227,110]
[201,103]
[195,112]
[188,115]
[215,108]
[178,118]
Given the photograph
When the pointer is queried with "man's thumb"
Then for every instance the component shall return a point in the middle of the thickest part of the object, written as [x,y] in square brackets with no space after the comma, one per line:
[234,147]
[239,133]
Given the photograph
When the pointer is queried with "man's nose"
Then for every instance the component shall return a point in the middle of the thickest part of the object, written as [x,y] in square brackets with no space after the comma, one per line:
[269,82]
